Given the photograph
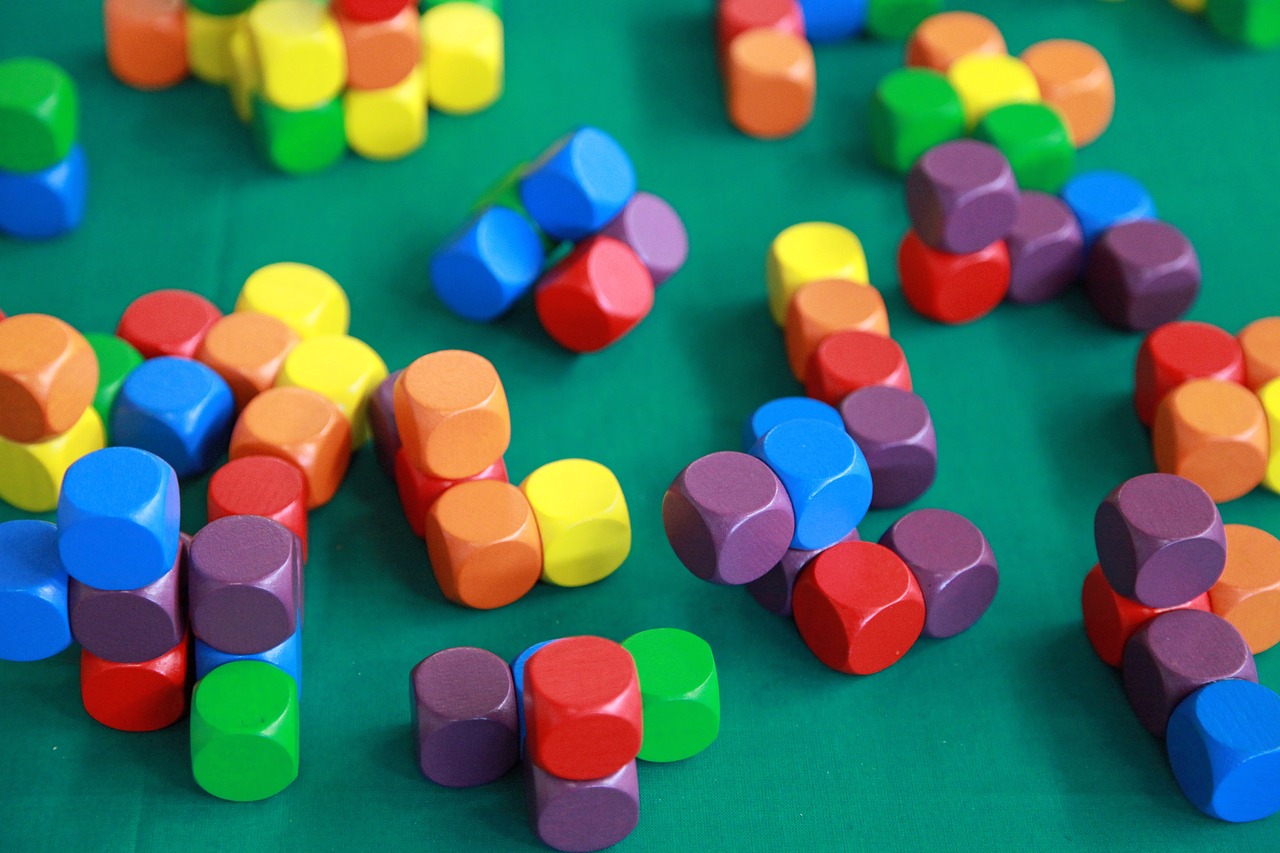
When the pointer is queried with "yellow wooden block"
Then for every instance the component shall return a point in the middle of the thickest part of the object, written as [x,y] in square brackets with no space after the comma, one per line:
[308,300]
[341,368]
[462,49]
[1269,394]
[246,77]
[31,474]
[1194,7]
[386,124]
[300,52]
[984,82]
[209,45]
[582,518]
[811,251]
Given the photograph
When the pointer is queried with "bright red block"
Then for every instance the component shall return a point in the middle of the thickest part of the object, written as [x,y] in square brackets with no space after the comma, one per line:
[136,697]
[848,361]
[1180,351]
[168,322]
[370,10]
[595,295]
[418,491]
[1110,619]
[261,485]
[735,17]
[952,288]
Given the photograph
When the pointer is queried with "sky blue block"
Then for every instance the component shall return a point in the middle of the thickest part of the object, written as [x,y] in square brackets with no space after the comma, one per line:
[1224,747]
[45,204]
[826,477]
[517,673]
[785,409]
[118,517]
[1103,199]
[33,592]
[579,185]
[179,409]
[286,656]
[833,20]
[485,268]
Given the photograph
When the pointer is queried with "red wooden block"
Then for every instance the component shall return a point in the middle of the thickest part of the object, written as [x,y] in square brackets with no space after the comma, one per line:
[582,706]
[952,288]
[735,17]
[1177,352]
[136,697]
[370,10]
[261,485]
[848,361]
[1110,619]
[418,491]
[595,295]
[168,322]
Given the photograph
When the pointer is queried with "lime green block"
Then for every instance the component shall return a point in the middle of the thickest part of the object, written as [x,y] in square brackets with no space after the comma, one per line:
[1252,22]
[300,141]
[680,690]
[912,110]
[116,360]
[494,6]
[222,7]
[1036,141]
[244,731]
[897,19]
[39,115]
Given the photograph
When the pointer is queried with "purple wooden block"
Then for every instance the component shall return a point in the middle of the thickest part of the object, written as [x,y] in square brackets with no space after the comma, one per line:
[133,625]
[773,590]
[1175,654]
[1046,249]
[1142,274]
[382,421]
[962,196]
[894,429]
[953,563]
[578,817]
[243,581]
[728,518]
[1160,540]
[653,229]
[464,713]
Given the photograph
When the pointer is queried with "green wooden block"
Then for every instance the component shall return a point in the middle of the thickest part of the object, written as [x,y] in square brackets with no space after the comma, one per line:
[912,110]
[39,115]
[244,731]
[1252,22]
[494,6]
[300,141]
[897,19]
[1036,141]
[680,691]
[222,7]
[116,359]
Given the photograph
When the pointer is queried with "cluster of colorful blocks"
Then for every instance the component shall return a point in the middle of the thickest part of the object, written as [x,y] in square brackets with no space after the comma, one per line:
[576,713]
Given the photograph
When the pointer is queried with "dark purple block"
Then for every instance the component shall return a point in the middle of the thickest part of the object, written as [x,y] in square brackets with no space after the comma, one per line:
[134,625]
[773,589]
[1142,274]
[895,432]
[728,518]
[1160,540]
[464,713]
[953,563]
[243,579]
[1175,654]
[962,196]
[653,229]
[382,422]
[1046,249]
[578,817]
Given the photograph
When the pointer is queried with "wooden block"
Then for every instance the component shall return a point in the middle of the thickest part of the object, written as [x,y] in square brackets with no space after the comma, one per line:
[579,184]
[31,473]
[1110,619]
[209,45]
[987,81]
[45,204]
[582,519]
[116,360]
[773,589]
[247,349]
[168,322]
[1269,396]
[825,475]
[483,543]
[583,709]
[1075,80]
[136,697]
[303,428]
[735,17]
[33,592]
[1160,540]
[679,690]
[146,42]
[1248,592]
[451,410]
[962,196]
[419,491]
[771,81]
[342,368]
[382,51]
[131,625]
[822,308]
[1215,434]
[244,731]
[655,232]
[728,518]
[912,110]
[1255,23]
[848,361]
[894,430]
[952,562]
[953,288]
[308,300]
[118,519]
[371,10]
[483,269]
[265,486]
[828,21]
[388,123]
[1177,352]
[1046,249]
[300,51]
[808,252]
[942,39]
[1101,200]
[858,607]
[382,423]
[595,296]
[300,142]
[582,815]
[287,657]
[1260,341]
[897,19]
[39,115]
[1035,139]
[1142,274]
[463,53]
[783,409]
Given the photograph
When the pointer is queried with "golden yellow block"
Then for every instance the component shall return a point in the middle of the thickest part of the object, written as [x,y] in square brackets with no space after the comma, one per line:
[209,45]
[1269,394]
[307,299]
[300,52]
[341,368]
[463,52]
[984,82]
[582,518]
[386,124]
[811,251]
[246,77]
[31,474]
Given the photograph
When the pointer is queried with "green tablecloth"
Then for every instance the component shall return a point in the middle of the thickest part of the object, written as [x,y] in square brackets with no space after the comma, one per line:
[1012,735]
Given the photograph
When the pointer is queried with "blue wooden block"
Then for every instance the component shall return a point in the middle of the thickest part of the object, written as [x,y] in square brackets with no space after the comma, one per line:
[1224,747]
[517,674]
[179,409]
[579,185]
[833,20]
[286,656]
[826,477]
[1103,199]
[118,517]
[33,592]
[45,204]
[485,268]
[785,409]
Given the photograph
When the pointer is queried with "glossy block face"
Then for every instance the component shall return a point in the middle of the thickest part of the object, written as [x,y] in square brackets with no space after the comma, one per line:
[45,204]
[1075,80]
[344,369]
[579,184]
[595,296]
[31,474]
[770,83]
[912,110]
[680,692]
[943,38]
[305,298]
[582,519]
[168,322]
[33,592]
[1214,433]
[48,377]
[485,268]
[303,428]
[39,115]
[387,123]
[300,50]
[463,53]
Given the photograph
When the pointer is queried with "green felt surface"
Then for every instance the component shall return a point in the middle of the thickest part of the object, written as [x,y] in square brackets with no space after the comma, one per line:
[1010,736]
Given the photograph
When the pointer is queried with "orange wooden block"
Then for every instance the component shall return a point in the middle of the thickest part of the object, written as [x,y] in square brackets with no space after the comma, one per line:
[247,349]
[822,308]
[48,376]
[850,360]
[451,410]
[1215,434]
[1075,80]
[146,42]
[1110,619]
[302,427]
[1260,341]
[1248,593]
[382,53]
[136,697]
[770,83]
[943,38]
